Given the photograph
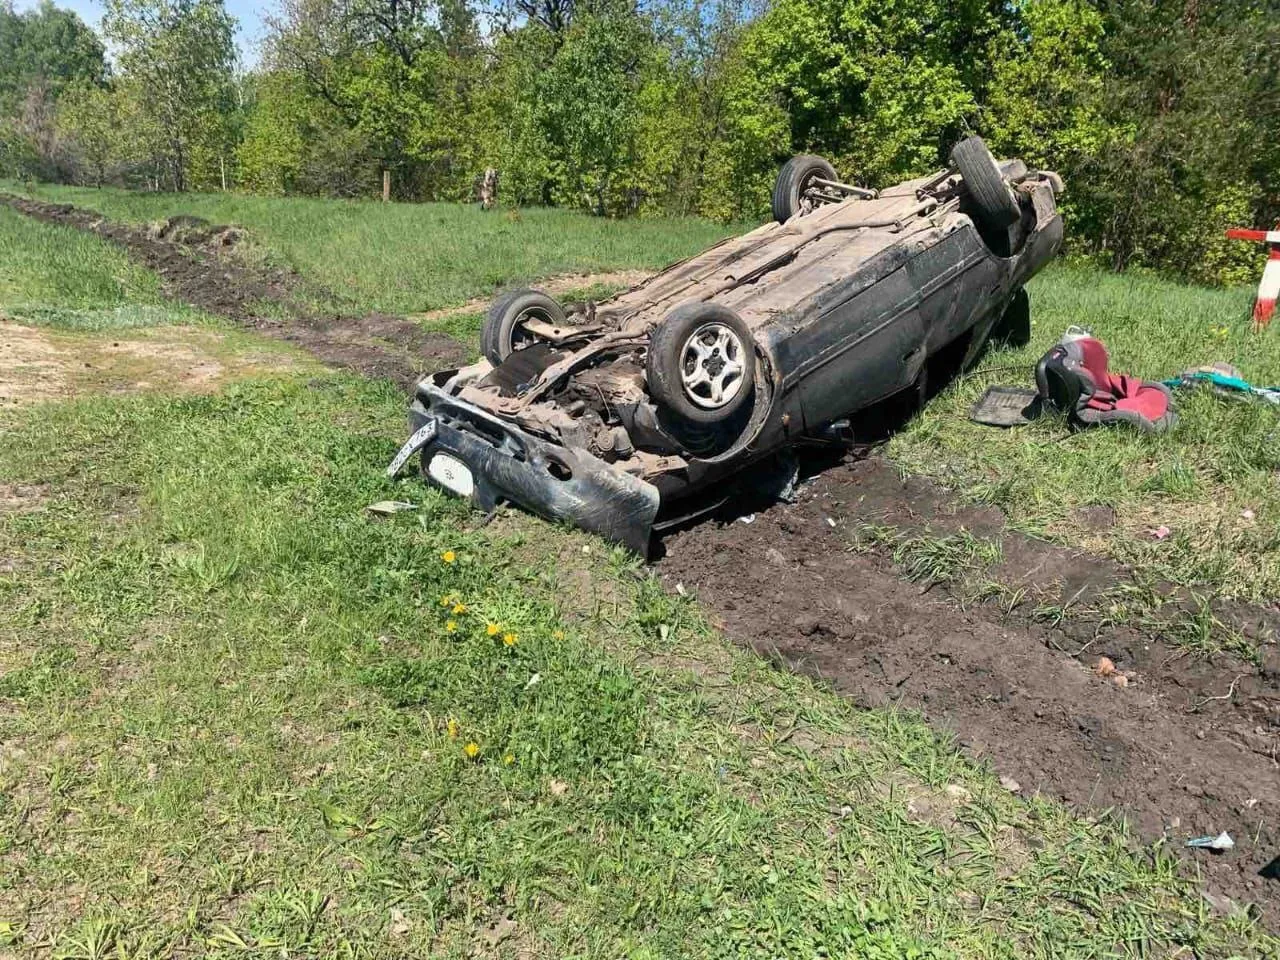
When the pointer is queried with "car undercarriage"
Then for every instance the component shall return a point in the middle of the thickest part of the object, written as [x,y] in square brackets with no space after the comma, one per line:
[603,413]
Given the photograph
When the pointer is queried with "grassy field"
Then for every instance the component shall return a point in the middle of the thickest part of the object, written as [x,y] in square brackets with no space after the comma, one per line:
[58,276]
[239,717]
[1211,481]
[409,258]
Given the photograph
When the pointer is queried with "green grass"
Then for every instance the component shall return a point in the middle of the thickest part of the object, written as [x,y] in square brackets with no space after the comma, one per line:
[235,721]
[409,258]
[61,277]
[1198,480]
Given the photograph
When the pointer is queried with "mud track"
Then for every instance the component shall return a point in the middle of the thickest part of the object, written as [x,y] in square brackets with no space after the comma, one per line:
[196,267]
[1188,748]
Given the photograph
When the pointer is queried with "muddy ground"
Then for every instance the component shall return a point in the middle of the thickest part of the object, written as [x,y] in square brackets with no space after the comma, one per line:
[1187,747]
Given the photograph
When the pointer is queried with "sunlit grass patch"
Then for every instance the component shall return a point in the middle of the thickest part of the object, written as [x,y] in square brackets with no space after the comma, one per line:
[61,277]
[237,722]
[410,258]
[1211,481]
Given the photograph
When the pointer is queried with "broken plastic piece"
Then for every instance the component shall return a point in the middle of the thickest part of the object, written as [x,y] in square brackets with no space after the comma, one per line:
[385,508]
[1222,841]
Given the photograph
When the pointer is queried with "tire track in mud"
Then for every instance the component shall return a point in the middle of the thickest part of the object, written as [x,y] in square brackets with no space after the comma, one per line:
[198,270]
[1173,761]
[1170,753]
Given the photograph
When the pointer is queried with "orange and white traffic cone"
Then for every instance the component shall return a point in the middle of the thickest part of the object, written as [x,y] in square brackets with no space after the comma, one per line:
[1269,288]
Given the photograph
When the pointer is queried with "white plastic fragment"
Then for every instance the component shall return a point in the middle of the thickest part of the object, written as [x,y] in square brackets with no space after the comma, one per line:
[749,518]
[385,508]
[1222,841]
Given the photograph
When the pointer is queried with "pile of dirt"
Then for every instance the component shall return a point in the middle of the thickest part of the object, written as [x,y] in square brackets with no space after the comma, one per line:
[189,255]
[1187,747]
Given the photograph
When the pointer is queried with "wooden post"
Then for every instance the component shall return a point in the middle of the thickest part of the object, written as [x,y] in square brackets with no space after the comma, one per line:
[386,186]
[222,163]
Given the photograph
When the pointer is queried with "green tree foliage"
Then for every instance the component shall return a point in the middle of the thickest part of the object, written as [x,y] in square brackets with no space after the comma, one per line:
[1192,99]
[91,116]
[1162,115]
[43,51]
[879,87]
[179,58]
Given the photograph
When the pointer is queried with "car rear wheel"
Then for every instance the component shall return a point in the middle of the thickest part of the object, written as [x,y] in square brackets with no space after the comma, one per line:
[992,201]
[701,366]
[795,179]
[504,328]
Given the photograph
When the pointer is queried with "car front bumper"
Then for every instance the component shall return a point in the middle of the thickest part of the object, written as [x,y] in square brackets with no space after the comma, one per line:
[474,454]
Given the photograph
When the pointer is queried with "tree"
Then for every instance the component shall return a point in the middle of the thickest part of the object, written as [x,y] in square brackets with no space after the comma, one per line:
[181,58]
[89,116]
[42,52]
[400,74]
[49,46]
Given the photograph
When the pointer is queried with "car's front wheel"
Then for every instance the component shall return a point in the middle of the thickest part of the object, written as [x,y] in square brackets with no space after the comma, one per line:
[701,366]
[504,328]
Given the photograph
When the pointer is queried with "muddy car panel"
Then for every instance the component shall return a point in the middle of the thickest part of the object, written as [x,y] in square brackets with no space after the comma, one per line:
[552,480]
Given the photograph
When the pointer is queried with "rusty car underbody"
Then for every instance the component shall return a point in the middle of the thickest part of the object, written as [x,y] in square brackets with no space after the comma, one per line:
[845,302]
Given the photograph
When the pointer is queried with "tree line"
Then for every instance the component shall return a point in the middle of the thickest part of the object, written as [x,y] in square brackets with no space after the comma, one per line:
[1162,115]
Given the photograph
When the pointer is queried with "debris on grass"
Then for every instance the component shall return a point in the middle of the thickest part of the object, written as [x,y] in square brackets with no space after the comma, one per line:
[385,508]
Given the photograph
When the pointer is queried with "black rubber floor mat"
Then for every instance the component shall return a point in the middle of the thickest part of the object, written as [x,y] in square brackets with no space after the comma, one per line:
[1006,407]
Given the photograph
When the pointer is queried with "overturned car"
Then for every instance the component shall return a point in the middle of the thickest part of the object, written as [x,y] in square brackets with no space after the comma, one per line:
[605,414]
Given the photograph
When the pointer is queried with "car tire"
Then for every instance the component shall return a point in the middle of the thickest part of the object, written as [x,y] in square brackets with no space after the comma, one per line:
[701,366]
[1013,329]
[993,203]
[503,328]
[789,188]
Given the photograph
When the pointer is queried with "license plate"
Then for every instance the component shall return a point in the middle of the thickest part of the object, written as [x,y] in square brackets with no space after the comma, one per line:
[452,474]
[421,437]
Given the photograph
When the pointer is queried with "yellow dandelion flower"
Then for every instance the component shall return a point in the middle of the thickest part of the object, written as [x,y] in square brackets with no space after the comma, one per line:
[446,600]
[509,759]
[471,749]
[508,639]
[557,635]
[452,729]
[459,608]
[448,556]
[451,626]
[491,629]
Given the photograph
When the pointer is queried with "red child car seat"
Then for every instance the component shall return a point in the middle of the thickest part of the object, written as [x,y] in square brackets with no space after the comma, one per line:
[1073,376]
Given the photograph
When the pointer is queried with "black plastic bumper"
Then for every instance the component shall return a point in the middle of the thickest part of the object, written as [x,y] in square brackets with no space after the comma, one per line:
[553,481]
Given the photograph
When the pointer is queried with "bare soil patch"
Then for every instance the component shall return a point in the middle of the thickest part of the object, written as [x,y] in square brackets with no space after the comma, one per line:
[38,365]
[31,367]
[1188,748]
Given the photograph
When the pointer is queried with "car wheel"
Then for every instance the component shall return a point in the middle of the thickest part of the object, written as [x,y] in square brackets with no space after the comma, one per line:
[504,330]
[993,203]
[794,179]
[701,366]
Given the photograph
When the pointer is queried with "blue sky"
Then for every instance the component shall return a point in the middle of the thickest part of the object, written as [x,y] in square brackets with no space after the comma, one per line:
[246,11]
